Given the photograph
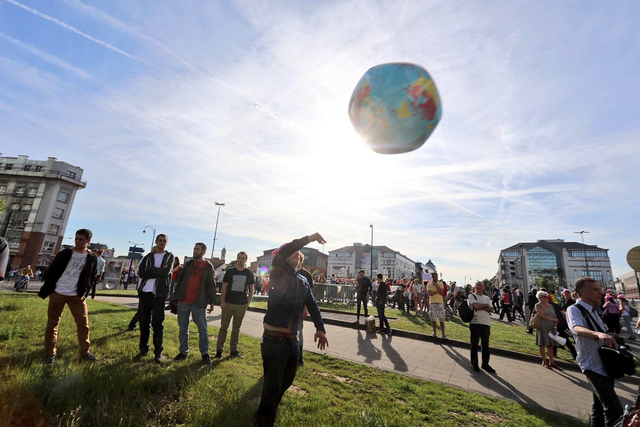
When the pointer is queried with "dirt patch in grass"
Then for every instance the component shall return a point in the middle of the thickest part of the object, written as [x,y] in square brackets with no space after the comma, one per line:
[490,416]
[345,380]
[298,390]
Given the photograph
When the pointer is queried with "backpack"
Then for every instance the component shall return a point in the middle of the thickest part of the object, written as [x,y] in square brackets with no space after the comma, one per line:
[465,311]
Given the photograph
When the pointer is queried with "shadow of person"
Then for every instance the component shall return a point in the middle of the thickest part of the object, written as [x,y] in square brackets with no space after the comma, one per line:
[367,348]
[393,356]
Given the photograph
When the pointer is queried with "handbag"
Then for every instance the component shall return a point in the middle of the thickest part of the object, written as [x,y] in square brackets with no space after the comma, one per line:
[536,321]
[617,362]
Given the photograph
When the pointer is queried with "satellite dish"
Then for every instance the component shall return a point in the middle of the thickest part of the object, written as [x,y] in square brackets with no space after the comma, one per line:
[633,258]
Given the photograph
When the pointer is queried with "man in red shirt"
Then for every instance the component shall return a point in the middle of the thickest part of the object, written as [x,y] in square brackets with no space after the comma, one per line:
[194,290]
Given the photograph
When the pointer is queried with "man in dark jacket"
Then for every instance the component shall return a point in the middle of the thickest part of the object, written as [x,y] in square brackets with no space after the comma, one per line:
[289,292]
[194,290]
[155,277]
[531,305]
[67,281]
[364,290]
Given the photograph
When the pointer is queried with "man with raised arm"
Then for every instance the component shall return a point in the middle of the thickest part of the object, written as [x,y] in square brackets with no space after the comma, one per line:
[289,292]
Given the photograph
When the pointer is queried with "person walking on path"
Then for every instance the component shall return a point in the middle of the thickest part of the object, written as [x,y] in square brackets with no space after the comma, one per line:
[505,300]
[237,291]
[194,291]
[381,302]
[436,304]
[611,314]
[364,290]
[67,282]
[549,324]
[625,310]
[155,274]
[288,294]
[588,330]
[480,327]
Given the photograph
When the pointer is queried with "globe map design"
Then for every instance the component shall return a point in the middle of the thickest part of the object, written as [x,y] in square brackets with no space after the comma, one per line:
[395,107]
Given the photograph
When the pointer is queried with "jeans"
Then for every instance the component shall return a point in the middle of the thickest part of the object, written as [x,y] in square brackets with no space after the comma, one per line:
[279,362]
[627,323]
[606,405]
[237,311]
[78,307]
[151,314]
[480,333]
[384,323]
[199,316]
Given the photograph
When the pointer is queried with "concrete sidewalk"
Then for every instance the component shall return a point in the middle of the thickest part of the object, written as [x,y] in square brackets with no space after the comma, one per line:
[525,382]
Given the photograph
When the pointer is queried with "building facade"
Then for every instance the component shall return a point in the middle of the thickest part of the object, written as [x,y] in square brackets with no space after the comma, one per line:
[629,284]
[552,263]
[345,262]
[38,195]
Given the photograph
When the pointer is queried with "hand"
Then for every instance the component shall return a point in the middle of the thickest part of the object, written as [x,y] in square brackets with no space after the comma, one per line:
[210,309]
[607,340]
[321,338]
[223,305]
[316,237]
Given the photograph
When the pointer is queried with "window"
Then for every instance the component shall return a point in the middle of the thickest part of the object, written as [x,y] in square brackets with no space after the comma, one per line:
[3,188]
[14,242]
[15,206]
[575,274]
[31,192]
[48,246]
[27,168]
[38,168]
[511,254]
[26,208]
[20,191]
[53,229]
[58,213]
[63,197]
[8,166]
[72,175]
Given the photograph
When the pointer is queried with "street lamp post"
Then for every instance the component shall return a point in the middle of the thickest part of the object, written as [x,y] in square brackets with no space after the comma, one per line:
[371,263]
[465,280]
[215,232]
[584,251]
[153,239]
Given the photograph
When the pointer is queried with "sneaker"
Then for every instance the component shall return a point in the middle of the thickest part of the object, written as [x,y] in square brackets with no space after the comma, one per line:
[236,354]
[301,363]
[218,354]
[205,359]
[433,335]
[389,332]
[382,331]
[158,359]
[489,369]
[139,356]
[180,357]
[50,360]
[475,368]
[89,356]
[444,337]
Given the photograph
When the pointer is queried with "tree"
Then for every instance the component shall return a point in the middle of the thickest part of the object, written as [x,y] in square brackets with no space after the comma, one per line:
[487,283]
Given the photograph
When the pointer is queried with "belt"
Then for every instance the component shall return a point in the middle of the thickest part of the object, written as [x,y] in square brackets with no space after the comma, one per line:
[279,334]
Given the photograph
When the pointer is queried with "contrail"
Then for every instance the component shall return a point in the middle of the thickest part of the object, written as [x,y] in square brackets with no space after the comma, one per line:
[80,33]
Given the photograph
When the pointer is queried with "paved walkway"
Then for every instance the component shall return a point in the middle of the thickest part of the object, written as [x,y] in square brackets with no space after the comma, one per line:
[528,383]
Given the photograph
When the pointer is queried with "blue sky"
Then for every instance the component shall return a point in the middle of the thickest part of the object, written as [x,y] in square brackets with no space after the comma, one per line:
[172,106]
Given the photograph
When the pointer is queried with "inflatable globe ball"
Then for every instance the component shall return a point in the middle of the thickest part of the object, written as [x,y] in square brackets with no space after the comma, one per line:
[395,107]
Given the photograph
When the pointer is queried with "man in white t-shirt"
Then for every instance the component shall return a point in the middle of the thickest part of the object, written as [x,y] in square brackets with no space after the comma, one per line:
[480,327]
[67,281]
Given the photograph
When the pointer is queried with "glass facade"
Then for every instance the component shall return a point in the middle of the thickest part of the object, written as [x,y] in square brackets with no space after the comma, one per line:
[543,264]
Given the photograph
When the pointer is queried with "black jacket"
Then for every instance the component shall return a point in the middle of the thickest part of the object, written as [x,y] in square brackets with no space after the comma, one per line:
[162,274]
[57,267]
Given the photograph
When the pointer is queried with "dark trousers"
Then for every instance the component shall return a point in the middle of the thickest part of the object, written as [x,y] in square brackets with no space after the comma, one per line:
[606,409]
[480,333]
[362,299]
[134,321]
[569,344]
[506,309]
[518,309]
[384,323]
[151,314]
[279,362]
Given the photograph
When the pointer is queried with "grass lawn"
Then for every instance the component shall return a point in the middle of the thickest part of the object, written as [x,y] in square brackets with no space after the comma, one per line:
[503,335]
[113,391]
